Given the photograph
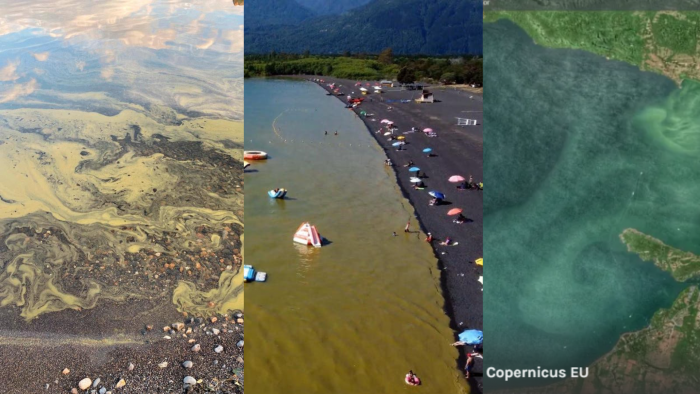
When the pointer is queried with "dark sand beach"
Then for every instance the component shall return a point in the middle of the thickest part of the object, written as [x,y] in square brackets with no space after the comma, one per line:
[458,151]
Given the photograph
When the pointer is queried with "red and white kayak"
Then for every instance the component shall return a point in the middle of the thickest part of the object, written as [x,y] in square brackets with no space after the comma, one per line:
[307,235]
[254,155]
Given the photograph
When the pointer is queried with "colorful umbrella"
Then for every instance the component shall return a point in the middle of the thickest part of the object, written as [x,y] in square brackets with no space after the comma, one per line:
[456,179]
[413,169]
[437,194]
[428,130]
[454,211]
[427,150]
[400,138]
[472,337]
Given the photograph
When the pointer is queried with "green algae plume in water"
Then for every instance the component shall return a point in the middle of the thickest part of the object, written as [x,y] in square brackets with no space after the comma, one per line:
[676,122]
[226,298]
[573,166]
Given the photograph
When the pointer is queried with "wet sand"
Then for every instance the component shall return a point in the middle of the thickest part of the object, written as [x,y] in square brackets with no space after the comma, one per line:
[458,151]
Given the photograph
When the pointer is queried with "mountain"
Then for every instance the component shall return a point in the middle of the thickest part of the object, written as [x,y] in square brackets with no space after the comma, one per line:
[331,7]
[274,12]
[431,27]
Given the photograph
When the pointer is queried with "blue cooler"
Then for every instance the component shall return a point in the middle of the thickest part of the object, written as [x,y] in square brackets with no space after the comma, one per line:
[248,273]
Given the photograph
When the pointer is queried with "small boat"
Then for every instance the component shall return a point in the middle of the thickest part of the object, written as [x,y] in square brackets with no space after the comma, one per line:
[279,193]
[254,155]
[307,235]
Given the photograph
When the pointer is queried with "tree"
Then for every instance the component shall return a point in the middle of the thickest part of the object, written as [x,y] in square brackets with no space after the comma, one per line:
[406,75]
[448,78]
[386,56]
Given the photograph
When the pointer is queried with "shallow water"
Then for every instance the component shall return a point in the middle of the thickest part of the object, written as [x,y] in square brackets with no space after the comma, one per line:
[357,314]
[579,148]
[120,144]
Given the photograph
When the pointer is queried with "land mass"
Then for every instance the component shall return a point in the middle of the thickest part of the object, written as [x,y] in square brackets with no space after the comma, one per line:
[682,265]
[665,42]
[662,358]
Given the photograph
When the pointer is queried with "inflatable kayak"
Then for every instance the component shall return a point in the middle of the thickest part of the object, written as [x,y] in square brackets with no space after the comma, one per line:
[280,193]
[254,155]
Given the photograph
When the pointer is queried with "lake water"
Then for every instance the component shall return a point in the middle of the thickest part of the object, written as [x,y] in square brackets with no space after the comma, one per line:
[120,153]
[357,314]
[577,149]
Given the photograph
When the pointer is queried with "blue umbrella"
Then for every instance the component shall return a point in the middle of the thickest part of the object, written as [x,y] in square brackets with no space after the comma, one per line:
[437,195]
[427,150]
[472,337]
[413,169]
[396,144]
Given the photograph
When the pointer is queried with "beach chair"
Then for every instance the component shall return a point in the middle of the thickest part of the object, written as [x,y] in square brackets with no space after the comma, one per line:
[466,122]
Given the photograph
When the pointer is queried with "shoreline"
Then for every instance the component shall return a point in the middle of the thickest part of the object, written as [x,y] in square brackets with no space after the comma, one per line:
[455,304]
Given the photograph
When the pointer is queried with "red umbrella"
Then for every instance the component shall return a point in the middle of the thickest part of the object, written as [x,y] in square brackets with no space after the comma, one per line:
[454,211]
[456,179]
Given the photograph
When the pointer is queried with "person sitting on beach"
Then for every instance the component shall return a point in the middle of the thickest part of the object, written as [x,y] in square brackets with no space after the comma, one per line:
[276,190]
[462,186]
[470,182]
[409,164]
[460,219]
[429,238]
[446,242]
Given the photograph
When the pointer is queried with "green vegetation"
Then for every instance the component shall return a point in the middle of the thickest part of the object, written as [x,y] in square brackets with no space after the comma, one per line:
[664,42]
[682,265]
[678,35]
[450,70]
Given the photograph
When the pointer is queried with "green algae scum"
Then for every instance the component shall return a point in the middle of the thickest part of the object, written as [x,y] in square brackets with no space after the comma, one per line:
[121,180]
[353,316]
[598,170]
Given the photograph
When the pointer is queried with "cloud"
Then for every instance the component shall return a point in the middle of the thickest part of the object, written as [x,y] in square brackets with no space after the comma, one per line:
[9,72]
[42,57]
[18,90]
[80,65]
[107,73]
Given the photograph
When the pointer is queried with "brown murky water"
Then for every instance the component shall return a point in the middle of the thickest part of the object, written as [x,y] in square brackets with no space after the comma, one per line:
[357,314]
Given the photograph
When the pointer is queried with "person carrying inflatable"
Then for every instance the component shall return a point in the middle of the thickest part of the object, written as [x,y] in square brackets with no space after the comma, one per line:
[411,379]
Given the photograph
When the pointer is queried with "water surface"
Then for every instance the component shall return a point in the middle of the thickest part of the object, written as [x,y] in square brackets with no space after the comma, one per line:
[577,149]
[120,147]
[357,314]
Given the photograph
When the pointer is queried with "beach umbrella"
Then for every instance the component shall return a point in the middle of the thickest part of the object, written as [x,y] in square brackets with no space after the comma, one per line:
[480,261]
[427,150]
[416,180]
[397,143]
[363,89]
[454,211]
[456,179]
[472,337]
[385,121]
[428,130]
[400,138]
[389,123]
[437,194]
[413,169]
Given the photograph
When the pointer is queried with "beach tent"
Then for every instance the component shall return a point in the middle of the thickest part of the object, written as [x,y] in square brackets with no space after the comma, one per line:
[472,337]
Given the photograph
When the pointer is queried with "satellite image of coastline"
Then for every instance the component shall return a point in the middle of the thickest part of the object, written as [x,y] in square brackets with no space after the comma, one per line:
[594,243]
